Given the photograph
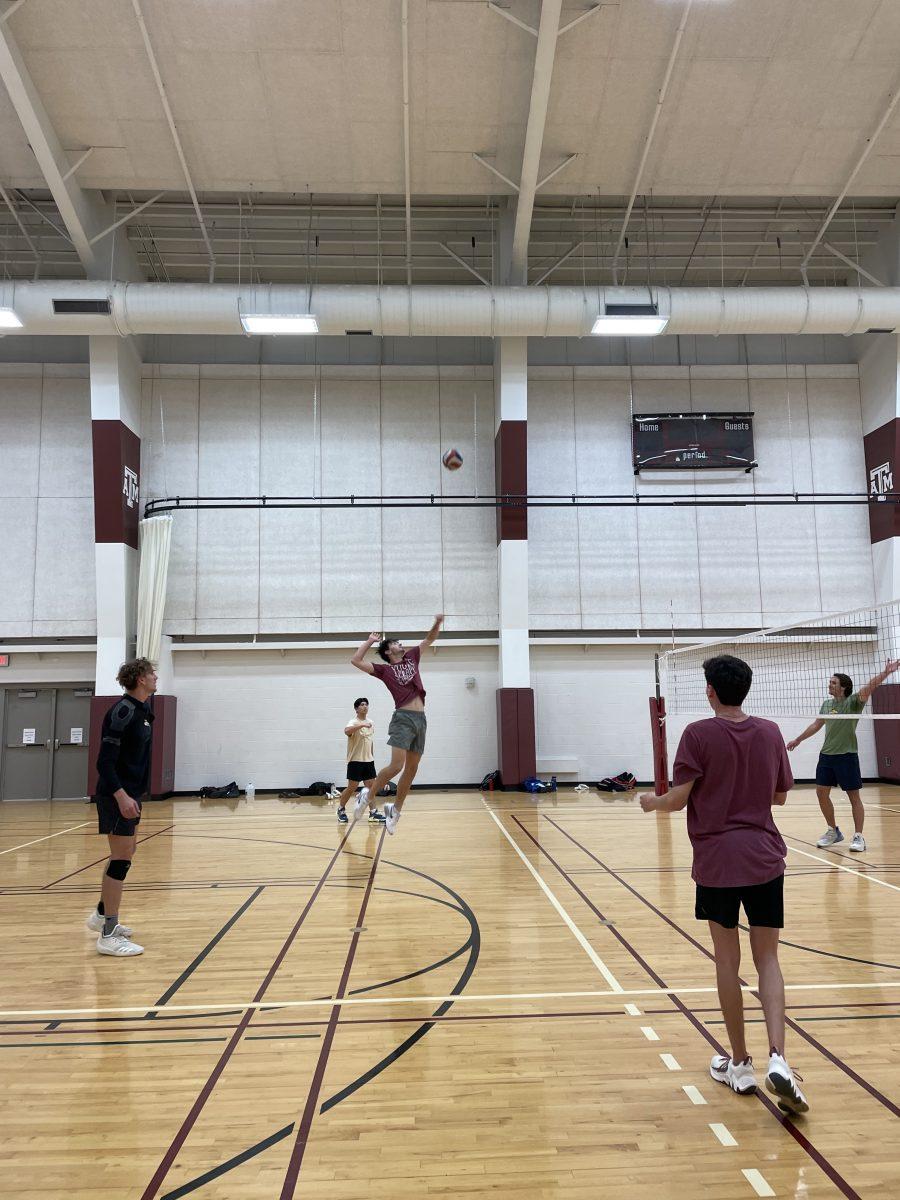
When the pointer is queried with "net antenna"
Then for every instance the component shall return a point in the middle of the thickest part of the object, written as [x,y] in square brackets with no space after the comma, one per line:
[793,664]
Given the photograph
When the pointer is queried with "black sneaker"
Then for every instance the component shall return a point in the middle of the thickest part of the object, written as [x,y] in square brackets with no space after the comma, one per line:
[342,815]
[375,817]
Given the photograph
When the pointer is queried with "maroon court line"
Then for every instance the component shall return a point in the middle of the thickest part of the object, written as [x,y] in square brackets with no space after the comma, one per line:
[97,863]
[152,1188]
[818,1158]
[798,1029]
[296,1160]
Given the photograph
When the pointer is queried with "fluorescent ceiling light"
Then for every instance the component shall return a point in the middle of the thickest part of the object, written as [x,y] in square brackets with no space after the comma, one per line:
[9,320]
[279,323]
[630,320]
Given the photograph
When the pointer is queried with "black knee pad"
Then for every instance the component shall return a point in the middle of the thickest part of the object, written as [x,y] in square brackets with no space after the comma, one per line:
[118,868]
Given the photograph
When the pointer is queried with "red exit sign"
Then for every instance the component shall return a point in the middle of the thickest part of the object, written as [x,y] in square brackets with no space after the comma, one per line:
[4,660]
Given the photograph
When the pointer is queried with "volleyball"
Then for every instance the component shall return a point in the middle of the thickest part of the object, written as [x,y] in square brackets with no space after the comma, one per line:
[452,460]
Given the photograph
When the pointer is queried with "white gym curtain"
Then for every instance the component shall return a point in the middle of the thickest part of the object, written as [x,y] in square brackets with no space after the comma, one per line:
[155,544]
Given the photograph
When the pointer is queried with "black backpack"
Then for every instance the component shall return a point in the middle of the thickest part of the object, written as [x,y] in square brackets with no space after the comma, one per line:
[491,781]
[228,792]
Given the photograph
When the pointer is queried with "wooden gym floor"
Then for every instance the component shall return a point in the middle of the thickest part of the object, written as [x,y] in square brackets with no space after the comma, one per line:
[526,1008]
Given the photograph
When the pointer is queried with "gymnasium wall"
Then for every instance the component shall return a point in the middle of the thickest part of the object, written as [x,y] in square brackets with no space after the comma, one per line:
[47,584]
[277,720]
[337,431]
[608,569]
[591,704]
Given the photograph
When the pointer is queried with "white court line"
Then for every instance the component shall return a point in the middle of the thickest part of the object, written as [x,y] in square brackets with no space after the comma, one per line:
[671,1062]
[850,871]
[462,998]
[573,928]
[649,1033]
[723,1133]
[757,1182]
[58,833]
[632,1010]
[693,1094]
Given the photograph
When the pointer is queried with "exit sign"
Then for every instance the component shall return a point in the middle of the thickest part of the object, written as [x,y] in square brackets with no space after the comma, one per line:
[4,660]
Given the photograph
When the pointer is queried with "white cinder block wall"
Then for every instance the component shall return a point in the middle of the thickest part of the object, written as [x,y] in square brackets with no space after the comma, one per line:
[276,720]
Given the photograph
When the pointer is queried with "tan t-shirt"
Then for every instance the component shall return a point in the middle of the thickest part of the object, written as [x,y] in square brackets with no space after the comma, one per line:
[359,742]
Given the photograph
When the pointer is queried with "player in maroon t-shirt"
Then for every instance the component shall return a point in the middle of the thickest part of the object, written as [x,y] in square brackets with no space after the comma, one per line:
[399,671]
[729,771]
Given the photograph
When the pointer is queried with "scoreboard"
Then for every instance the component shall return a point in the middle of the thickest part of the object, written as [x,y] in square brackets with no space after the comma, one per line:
[692,441]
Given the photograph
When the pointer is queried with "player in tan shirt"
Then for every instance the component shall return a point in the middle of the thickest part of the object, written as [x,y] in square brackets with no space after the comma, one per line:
[360,765]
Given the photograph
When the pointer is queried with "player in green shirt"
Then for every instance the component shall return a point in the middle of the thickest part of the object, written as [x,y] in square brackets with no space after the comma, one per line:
[838,764]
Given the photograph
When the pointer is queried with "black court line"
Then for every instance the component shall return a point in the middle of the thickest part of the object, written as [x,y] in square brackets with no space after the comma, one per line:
[207,949]
[866,962]
[791,1024]
[473,945]
[818,1158]
[100,1045]
[96,862]
[152,1188]
[295,1161]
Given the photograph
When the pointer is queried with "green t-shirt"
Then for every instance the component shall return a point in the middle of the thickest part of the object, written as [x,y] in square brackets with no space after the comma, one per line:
[840,736]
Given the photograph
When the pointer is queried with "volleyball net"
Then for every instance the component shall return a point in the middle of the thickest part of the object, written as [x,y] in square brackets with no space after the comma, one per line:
[792,666]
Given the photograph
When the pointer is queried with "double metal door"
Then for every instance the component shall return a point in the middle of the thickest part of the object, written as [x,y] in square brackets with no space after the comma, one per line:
[45,743]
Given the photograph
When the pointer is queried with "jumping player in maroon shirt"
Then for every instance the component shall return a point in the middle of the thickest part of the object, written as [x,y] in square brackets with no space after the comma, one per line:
[729,771]
[399,671]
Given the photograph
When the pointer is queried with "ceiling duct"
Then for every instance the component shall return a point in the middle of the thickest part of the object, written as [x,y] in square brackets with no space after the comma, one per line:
[431,311]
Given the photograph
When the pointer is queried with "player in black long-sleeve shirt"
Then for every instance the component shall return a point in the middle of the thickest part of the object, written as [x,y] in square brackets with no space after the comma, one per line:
[123,766]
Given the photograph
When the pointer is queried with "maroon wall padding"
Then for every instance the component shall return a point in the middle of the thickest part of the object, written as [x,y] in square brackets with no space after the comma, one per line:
[117,466]
[100,706]
[660,751]
[882,447]
[527,752]
[162,760]
[162,763]
[508,736]
[516,754]
[511,478]
[887,733]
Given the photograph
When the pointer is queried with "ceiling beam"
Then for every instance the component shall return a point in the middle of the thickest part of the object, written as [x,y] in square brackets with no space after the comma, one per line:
[893,100]
[84,214]
[170,120]
[548,31]
[648,140]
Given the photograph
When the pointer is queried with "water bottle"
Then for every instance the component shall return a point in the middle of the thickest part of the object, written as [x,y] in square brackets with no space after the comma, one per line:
[250,792]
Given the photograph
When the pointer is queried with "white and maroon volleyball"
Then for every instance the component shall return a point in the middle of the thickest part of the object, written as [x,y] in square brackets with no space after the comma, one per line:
[452,460]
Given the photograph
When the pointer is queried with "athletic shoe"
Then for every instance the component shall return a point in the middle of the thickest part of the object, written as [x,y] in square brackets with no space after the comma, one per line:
[738,1076]
[780,1081]
[391,817]
[830,838]
[858,844]
[95,922]
[375,817]
[118,945]
[362,803]
[342,815]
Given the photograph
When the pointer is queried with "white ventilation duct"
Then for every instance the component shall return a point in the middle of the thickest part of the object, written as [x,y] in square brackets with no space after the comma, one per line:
[425,310]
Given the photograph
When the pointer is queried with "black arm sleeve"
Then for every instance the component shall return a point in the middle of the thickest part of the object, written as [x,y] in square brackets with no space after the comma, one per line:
[115,723]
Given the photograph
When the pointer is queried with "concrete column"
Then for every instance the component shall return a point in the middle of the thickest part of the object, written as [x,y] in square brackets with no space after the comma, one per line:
[116,426]
[515,697]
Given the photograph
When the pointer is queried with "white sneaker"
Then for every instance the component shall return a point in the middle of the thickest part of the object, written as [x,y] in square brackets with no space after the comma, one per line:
[830,838]
[118,945]
[95,922]
[391,817]
[858,844]
[781,1082]
[362,803]
[738,1076]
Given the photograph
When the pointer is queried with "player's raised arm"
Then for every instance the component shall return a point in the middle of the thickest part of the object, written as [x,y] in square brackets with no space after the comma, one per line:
[432,634]
[359,658]
[877,680]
